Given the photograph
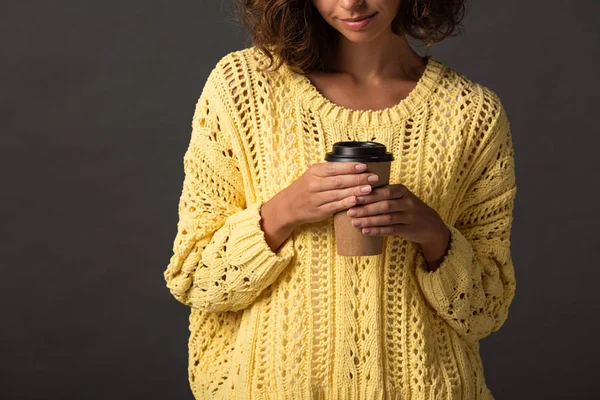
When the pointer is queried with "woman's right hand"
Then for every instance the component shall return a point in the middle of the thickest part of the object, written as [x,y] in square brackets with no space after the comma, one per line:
[324,189]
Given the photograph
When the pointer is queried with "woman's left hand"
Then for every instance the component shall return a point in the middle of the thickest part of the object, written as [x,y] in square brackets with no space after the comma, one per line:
[393,210]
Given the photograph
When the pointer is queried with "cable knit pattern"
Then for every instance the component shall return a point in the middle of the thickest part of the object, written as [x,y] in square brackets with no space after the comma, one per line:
[303,322]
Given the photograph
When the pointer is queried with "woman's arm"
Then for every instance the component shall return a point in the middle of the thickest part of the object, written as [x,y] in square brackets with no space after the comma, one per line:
[474,284]
[221,260]
[275,225]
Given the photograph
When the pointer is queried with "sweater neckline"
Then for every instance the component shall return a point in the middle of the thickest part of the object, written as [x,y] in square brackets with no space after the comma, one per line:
[316,101]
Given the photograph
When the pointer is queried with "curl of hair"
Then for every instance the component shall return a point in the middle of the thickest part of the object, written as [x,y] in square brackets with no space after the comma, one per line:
[295,33]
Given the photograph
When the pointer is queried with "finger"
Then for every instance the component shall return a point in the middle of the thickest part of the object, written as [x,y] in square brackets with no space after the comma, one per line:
[389,230]
[379,207]
[333,168]
[346,181]
[338,194]
[395,191]
[381,220]
[337,206]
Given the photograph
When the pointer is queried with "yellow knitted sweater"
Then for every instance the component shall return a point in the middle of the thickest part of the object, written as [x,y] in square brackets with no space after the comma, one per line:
[303,322]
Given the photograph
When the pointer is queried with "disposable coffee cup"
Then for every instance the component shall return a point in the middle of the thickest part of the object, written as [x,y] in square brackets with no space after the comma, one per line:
[350,241]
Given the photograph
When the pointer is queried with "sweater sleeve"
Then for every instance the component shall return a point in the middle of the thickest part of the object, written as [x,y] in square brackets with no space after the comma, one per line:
[474,285]
[221,260]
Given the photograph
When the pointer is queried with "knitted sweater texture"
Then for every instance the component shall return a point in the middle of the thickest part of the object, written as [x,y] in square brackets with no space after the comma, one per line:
[303,322]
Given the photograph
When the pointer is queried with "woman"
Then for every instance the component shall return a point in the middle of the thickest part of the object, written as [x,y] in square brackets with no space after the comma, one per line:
[275,312]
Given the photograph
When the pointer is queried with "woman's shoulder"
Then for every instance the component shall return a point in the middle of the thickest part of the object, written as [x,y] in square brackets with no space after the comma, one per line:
[227,68]
[469,96]
[242,74]
[246,92]
[244,64]
[477,106]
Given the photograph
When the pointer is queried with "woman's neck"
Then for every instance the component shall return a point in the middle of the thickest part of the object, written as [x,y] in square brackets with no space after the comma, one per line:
[387,57]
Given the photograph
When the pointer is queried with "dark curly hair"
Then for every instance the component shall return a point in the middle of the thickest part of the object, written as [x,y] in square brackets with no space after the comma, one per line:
[296,33]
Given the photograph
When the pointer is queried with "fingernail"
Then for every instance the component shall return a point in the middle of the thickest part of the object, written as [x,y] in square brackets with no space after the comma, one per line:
[373,178]
[365,189]
[361,167]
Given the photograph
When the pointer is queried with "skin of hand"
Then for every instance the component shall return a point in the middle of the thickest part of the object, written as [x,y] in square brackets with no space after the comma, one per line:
[324,189]
[393,210]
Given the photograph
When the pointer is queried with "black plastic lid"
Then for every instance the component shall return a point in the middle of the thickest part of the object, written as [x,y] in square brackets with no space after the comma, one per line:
[359,152]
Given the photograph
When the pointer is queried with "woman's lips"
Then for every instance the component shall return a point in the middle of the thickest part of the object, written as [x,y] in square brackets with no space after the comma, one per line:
[358,25]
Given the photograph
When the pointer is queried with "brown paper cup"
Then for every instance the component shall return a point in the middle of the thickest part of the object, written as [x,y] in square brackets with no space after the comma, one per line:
[350,239]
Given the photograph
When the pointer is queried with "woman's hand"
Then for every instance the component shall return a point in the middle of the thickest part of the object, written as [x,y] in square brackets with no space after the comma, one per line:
[324,189]
[393,210]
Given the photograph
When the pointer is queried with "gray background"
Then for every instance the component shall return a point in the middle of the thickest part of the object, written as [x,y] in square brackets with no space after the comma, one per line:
[96,104]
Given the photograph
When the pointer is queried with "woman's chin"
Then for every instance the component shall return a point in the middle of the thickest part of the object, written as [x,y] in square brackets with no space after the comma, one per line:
[359,36]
